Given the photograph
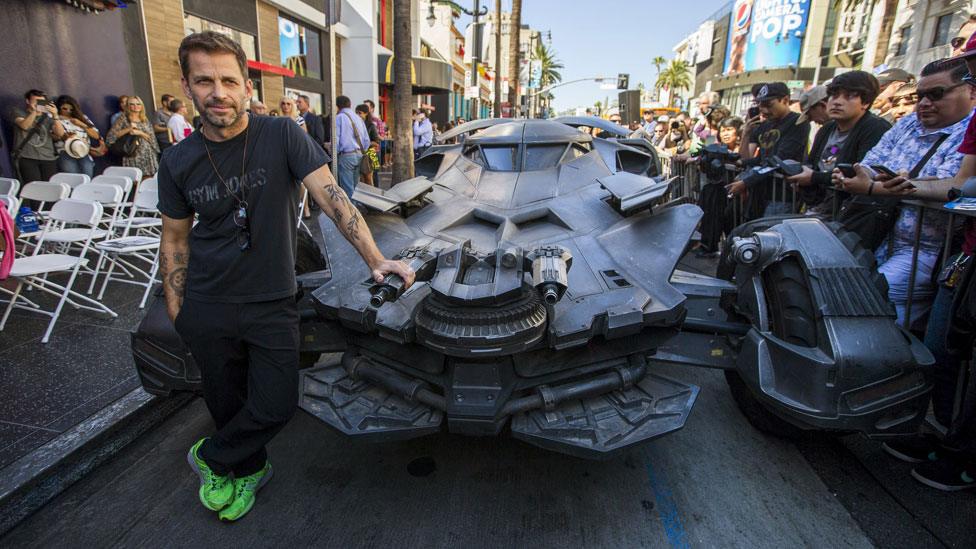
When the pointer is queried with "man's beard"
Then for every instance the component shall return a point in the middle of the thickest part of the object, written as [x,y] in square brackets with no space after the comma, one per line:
[221,121]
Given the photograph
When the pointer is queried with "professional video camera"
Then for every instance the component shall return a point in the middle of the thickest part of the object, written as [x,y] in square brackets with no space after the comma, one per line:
[714,158]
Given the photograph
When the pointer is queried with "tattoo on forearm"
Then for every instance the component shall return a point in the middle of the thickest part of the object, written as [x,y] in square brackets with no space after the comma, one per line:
[177,281]
[174,268]
[352,226]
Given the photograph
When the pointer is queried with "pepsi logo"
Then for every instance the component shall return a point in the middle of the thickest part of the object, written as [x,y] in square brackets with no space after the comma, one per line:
[742,14]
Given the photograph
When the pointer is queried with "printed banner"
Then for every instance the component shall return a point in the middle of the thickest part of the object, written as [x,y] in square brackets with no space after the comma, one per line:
[765,34]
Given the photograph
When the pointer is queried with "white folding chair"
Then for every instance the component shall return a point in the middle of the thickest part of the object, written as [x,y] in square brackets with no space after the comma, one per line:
[12,203]
[9,186]
[30,271]
[149,220]
[124,182]
[44,193]
[134,247]
[71,179]
[135,174]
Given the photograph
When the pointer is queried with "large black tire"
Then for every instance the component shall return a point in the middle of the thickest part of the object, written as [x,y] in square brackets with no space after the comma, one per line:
[793,319]
[308,259]
[726,268]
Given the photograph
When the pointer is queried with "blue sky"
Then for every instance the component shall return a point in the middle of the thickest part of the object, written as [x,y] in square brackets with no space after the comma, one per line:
[608,37]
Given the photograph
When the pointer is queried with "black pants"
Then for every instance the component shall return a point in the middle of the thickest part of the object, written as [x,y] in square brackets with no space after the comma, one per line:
[248,359]
[36,170]
[713,200]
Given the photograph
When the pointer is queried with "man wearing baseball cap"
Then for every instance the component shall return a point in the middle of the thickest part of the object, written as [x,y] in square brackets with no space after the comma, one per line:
[813,106]
[775,132]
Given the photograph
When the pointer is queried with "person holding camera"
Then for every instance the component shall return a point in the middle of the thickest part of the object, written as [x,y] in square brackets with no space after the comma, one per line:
[35,129]
[851,130]
[713,200]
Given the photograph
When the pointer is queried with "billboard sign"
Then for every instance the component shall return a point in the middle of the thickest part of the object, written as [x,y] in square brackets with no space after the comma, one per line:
[765,34]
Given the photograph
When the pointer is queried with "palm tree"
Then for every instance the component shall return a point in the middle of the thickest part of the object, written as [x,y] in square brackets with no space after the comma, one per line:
[676,77]
[658,61]
[550,64]
[598,106]
[402,94]
[514,30]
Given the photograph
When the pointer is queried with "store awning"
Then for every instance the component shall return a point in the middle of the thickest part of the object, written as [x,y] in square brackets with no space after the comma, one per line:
[273,69]
[428,75]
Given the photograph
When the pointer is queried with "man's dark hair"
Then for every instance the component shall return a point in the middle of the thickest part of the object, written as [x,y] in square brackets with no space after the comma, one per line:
[304,98]
[343,102]
[860,83]
[364,108]
[370,103]
[166,98]
[34,93]
[175,105]
[956,67]
[210,42]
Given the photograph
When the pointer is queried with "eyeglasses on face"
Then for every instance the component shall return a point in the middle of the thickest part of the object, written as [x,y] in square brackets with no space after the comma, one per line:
[937,93]
[957,42]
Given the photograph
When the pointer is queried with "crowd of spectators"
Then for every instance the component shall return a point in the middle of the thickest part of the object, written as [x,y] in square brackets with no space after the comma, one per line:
[861,146]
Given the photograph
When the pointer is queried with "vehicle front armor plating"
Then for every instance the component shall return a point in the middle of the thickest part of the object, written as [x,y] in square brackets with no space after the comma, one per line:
[547,298]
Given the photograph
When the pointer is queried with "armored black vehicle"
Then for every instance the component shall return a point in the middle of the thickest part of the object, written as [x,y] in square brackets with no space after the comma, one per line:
[547,299]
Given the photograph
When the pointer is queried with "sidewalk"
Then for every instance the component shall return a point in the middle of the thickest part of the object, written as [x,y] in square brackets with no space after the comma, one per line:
[46,389]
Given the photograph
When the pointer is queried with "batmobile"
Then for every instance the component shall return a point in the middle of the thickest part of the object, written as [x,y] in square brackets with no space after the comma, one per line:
[547,299]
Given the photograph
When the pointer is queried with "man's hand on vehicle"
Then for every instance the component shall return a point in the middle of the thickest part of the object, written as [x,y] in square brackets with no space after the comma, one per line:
[390,266]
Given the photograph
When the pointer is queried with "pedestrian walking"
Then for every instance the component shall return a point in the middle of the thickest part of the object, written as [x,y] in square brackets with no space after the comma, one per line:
[161,120]
[423,133]
[177,125]
[313,122]
[371,152]
[229,281]
[351,142]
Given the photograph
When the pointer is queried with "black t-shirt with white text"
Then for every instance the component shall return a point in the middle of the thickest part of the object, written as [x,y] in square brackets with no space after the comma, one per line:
[279,155]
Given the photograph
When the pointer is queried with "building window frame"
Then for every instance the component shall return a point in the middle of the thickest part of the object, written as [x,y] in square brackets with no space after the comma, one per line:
[904,36]
[303,30]
[942,29]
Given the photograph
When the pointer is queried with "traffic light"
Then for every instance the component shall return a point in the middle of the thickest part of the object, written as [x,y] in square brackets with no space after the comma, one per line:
[623,81]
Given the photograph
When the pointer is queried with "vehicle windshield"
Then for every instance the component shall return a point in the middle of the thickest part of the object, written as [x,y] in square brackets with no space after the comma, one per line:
[540,157]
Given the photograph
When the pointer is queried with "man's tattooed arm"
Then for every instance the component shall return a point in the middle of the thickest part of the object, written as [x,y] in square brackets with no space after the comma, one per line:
[327,193]
[322,187]
[174,258]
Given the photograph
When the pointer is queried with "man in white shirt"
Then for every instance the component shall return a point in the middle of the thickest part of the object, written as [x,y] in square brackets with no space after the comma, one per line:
[178,126]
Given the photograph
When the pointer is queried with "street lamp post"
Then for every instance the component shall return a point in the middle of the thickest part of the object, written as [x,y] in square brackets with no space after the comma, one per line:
[476,36]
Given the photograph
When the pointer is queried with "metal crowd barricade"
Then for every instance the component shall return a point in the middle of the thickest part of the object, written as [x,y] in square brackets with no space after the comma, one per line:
[689,177]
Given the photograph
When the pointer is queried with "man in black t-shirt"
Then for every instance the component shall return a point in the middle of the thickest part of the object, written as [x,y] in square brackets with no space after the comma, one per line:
[777,135]
[229,280]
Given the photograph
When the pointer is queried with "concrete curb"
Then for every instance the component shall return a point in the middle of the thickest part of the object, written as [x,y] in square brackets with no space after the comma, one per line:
[30,482]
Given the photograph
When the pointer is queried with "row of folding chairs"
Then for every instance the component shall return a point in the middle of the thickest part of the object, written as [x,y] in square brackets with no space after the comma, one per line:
[93,216]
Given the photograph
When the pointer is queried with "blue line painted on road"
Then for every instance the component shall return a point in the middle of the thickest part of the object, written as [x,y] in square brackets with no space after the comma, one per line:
[666,509]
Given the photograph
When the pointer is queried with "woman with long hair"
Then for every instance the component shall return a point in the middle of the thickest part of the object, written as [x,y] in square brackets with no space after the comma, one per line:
[135,122]
[77,126]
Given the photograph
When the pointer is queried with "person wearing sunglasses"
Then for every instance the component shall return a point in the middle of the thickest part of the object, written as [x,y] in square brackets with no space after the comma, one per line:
[229,281]
[948,462]
[922,145]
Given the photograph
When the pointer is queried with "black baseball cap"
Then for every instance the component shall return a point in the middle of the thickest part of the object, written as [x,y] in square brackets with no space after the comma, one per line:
[772,90]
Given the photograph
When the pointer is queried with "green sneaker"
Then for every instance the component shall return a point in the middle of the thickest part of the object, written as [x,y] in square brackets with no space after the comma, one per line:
[216,491]
[245,491]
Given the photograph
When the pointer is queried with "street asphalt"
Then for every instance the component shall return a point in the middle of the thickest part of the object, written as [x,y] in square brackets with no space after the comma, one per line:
[716,483]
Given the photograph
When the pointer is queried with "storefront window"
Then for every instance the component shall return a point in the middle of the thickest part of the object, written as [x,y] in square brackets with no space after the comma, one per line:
[314,99]
[300,48]
[192,24]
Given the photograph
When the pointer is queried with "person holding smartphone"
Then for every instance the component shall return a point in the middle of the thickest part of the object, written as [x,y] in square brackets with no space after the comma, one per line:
[851,130]
[36,126]
[922,145]
[775,132]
